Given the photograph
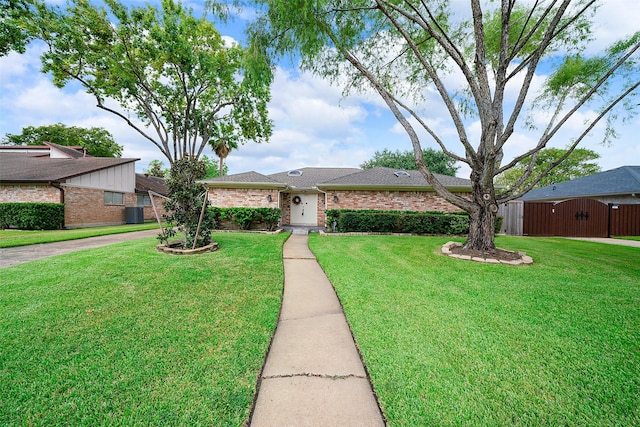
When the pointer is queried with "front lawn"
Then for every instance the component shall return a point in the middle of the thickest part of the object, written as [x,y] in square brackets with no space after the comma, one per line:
[450,342]
[12,238]
[125,335]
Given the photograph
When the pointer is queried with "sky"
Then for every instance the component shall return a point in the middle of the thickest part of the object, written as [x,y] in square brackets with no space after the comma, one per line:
[314,124]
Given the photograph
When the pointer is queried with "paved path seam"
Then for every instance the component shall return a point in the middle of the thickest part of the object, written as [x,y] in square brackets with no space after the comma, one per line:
[313,374]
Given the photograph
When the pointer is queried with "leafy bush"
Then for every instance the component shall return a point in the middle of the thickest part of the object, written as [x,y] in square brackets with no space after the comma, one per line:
[414,222]
[184,207]
[32,216]
[246,217]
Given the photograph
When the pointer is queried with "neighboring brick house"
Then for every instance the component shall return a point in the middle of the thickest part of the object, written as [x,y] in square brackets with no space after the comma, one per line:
[304,194]
[95,190]
[144,184]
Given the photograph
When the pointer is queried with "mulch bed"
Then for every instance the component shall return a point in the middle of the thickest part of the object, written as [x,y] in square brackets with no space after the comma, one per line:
[499,254]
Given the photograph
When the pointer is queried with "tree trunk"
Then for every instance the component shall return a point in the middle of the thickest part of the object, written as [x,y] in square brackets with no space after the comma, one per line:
[482,228]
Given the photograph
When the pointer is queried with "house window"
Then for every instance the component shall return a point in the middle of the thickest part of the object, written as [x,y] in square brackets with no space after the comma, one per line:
[295,172]
[113,198]
[143,200]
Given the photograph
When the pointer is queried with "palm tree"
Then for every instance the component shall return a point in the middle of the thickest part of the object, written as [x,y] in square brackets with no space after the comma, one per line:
[222,149]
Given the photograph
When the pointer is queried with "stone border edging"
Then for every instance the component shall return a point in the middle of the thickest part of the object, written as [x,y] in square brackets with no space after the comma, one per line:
[176,251]
[446,250]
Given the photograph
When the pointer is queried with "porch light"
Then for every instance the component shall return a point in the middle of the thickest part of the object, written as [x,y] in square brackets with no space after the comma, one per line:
[335,199]
[269,198]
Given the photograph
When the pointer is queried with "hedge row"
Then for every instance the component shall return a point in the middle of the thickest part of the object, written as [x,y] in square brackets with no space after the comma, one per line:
[32,216]
[412,222]
[245,218]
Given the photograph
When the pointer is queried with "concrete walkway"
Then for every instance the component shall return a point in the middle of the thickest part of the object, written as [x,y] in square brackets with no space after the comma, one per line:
[20,254]
[609,241]
[313,375]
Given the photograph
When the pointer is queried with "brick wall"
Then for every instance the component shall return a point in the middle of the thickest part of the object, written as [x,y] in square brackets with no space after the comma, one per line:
[84,207]
[420,201]
[243,198]
[29,193]
[381,200]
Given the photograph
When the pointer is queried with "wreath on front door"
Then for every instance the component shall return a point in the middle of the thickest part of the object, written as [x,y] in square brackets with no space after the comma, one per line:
[296,200]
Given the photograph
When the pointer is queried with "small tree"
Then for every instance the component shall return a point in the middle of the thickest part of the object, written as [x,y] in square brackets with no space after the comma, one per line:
[581,162]
[185,207]
[97,141]
[156,168]
[436,161]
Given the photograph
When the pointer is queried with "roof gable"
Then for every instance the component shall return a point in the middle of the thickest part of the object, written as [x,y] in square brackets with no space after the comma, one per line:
[619,181]
[18,167]
[146,183]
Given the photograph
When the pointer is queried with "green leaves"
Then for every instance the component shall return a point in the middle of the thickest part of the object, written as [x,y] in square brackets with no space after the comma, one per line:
[435,161]
[581,162]
[97,141]
[170,69]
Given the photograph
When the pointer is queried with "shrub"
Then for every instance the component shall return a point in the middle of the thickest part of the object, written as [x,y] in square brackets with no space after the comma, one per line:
[414,222]
[244,218]
[32,216]
[184,206]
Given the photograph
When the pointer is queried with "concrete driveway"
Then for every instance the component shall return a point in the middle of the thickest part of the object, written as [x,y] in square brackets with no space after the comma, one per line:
[21,254]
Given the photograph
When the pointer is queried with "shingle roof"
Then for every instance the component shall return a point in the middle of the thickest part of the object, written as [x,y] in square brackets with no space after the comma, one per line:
[619,181]
[245,179]
[381,177]
[312,177]
[74,152]
[334,178]
[17,167]
[146,183]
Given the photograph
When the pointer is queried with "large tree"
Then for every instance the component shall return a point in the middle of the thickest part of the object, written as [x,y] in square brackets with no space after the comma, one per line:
[188,85]
[14,35]
[480,65]
[581,162]
[436,161]
[97,141]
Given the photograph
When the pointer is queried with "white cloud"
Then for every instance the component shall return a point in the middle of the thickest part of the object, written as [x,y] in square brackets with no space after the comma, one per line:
[314,124]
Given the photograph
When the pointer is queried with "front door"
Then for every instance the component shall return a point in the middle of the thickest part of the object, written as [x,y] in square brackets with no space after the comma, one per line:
[304,208]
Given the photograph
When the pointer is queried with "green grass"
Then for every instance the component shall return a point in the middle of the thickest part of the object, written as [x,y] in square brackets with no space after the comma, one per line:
[12,238]
[125,335]
[451,342]
[637,238]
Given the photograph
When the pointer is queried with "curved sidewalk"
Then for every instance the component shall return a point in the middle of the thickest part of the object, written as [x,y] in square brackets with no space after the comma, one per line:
[21,254]
[313,375]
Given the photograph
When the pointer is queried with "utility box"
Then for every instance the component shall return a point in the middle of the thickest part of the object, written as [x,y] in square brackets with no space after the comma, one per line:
[134,214]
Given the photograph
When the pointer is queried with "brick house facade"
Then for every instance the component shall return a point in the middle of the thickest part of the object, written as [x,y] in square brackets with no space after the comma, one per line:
[95,190]
[305,194]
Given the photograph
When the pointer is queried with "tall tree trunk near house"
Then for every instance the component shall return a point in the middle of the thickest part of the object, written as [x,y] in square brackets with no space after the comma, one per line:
[481,229]
[482,214]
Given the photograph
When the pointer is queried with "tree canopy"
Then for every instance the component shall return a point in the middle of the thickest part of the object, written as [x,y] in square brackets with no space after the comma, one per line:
[97,141]
[505,66]
[188,85]
[14,35]
[436,161]
[581,162]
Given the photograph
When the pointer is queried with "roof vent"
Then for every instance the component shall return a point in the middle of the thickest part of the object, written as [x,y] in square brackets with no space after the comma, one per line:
[401,173]
[295,172]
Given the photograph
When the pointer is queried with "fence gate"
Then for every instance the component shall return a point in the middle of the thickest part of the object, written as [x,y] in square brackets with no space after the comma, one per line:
[582,218]
[624,220]
[571,218]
